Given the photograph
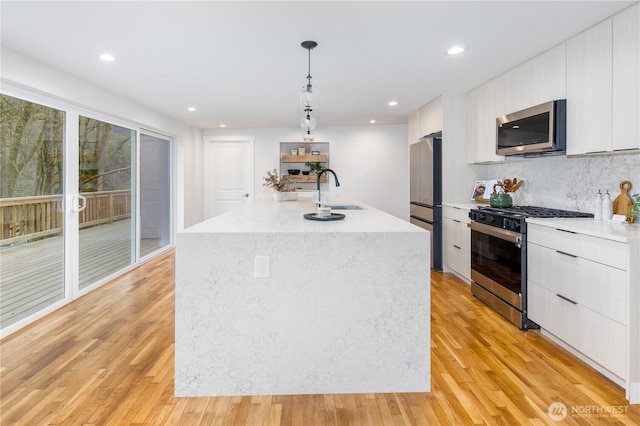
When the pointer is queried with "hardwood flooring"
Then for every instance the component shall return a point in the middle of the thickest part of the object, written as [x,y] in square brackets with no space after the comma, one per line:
[108,359]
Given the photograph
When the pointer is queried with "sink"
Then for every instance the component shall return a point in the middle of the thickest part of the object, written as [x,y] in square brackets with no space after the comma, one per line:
[344,207]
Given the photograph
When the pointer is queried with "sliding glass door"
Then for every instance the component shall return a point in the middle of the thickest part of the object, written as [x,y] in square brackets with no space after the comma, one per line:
[31,208]
[155,193]
[106,154]
[82,199]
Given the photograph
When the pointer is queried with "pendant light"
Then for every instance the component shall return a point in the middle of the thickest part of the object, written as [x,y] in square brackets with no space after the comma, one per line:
[309,98]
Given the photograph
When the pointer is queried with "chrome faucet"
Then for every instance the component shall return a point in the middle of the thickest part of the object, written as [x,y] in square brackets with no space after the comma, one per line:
[320,199]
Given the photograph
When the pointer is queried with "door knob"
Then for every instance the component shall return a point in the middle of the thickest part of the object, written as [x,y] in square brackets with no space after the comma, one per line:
[246,195]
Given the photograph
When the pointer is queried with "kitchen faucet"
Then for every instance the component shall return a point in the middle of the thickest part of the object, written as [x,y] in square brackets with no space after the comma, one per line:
[320,199]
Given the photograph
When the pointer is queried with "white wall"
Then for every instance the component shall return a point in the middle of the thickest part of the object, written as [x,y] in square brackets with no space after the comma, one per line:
[370,161]
[30,75]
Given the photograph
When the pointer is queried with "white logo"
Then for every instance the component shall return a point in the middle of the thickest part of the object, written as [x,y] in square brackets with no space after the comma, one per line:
[557,411]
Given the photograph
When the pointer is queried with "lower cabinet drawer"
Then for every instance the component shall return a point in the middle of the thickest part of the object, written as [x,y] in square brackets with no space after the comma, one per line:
[599,287]
[461,215]
[457,233]
[458,259]
[599,338]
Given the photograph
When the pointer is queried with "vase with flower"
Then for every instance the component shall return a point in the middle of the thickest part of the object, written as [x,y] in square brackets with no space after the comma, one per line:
[278,184]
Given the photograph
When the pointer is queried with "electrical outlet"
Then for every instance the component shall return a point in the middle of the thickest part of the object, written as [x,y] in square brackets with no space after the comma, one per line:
[262,267]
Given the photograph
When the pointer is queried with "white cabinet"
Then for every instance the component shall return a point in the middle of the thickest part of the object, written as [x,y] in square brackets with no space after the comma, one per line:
[589,83]
[583,289]
[457,241]
[603,86]
[474,113]
[626,80]
[549,75]
[539,80]
[482,111]
[518,88]
[430,118]
[412,128]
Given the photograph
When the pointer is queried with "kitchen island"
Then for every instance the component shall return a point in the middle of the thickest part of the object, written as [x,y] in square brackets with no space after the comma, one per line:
[339,307]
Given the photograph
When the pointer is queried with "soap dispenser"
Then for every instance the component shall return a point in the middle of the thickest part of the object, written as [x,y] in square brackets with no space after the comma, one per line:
[607,206]
[597,211]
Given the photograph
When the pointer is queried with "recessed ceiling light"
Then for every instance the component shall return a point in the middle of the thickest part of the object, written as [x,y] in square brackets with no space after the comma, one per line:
[372,121]
[107,57]
[455,50]
[191,109]
[223,125]
[392,103]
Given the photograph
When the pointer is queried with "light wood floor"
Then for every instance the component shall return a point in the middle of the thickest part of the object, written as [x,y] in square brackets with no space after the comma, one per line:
[108,358]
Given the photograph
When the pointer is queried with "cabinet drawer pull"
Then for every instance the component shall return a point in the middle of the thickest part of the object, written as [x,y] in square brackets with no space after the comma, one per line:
[456,246]
[567,299]
[564,230]
[566,254]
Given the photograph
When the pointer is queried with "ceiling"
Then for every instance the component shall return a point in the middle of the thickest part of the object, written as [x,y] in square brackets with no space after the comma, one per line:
[240,63]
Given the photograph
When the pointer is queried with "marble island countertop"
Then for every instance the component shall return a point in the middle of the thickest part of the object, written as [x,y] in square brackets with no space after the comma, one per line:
[269,303]
[267,215]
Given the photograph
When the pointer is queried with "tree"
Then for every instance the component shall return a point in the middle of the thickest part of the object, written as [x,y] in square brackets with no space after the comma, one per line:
[31,140]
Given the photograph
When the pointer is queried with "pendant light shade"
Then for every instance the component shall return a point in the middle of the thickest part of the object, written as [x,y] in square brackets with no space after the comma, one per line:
[308,122]
[309,97]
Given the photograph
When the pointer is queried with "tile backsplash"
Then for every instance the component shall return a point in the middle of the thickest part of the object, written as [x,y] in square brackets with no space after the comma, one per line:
[569,183]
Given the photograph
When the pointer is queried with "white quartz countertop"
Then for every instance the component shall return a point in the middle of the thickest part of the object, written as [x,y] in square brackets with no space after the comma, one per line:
[464,206]
[616,231]
[267,215]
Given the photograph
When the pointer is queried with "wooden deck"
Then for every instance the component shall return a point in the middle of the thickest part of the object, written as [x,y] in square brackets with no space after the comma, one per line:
[32,274]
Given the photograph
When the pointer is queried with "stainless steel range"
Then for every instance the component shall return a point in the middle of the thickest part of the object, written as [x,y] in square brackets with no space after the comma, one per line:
[499,258]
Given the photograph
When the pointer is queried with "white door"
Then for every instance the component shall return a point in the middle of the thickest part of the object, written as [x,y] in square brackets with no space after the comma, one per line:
[228,173]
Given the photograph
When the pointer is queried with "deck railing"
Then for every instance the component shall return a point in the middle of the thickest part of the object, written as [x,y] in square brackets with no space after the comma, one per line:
[27,218]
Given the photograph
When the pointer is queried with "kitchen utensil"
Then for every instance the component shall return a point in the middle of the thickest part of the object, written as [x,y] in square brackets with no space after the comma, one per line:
[515,185]
[621,202]
[512,185]
[499,198]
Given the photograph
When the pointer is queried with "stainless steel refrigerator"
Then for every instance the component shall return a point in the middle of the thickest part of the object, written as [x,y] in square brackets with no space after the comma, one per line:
[425,191]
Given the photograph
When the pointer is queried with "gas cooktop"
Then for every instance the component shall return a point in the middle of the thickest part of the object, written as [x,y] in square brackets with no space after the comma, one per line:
[533,211]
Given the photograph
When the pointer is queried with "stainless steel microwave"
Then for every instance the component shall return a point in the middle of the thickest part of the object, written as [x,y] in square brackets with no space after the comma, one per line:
[541,129]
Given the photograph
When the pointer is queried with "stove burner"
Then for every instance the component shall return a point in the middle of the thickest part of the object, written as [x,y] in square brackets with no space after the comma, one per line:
[533,211]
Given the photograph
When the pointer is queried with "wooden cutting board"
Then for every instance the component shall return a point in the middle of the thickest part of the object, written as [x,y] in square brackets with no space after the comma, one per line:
[621,203]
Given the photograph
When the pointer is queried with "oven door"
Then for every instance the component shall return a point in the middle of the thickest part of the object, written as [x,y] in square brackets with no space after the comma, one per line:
[497,262]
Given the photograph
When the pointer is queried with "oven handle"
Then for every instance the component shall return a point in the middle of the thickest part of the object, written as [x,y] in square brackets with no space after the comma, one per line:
[503,234]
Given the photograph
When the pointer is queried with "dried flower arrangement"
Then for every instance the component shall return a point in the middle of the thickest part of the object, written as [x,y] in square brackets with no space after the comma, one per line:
[271,180]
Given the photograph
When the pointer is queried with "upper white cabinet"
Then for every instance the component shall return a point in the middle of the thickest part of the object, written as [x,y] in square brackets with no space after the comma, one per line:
[603,86]
[474,114]
[518,88]
[482,110]
[589,82]
[549,76]
[539,80]
[430,118]
[626,80]
[412,127]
